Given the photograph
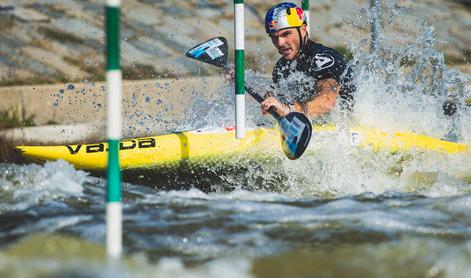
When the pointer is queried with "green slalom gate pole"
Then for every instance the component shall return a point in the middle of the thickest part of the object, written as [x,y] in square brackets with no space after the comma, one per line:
[305,7]
[239,39]
[113,130]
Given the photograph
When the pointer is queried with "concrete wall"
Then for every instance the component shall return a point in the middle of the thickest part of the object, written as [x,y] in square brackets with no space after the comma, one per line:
[85,102]
[149,106]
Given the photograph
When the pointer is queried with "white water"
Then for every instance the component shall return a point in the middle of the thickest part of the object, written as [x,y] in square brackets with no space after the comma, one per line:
[24,186]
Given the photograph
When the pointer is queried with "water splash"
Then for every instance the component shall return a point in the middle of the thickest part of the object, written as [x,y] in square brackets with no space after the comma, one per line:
[28,185]
[404,83]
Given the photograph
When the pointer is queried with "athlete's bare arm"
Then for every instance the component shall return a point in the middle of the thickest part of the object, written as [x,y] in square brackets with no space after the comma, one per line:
[327,91]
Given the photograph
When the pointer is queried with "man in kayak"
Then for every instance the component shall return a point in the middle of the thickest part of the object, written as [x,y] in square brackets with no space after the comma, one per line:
[309,77]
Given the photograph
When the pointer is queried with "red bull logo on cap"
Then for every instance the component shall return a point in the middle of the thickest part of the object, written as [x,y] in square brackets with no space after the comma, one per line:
[300,13]
[274,24]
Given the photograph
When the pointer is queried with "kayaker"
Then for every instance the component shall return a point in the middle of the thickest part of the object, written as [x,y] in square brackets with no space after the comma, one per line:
[309,77]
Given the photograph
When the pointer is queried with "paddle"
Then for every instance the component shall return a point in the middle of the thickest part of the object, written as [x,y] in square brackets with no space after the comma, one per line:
[295,127]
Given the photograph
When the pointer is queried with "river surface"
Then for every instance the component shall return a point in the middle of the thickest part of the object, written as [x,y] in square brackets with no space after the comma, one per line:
[326,220]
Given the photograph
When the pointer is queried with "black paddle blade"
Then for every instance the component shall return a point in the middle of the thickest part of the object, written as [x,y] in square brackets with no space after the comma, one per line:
[296,133]
[213,51]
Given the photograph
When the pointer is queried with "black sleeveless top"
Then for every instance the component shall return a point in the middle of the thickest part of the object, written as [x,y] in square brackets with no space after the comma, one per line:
[295,80]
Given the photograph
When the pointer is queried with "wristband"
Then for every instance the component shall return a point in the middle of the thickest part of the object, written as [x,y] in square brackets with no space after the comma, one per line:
[291,108]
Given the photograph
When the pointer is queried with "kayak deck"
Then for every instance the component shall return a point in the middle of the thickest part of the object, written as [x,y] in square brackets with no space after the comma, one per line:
[164,151]
[206,147]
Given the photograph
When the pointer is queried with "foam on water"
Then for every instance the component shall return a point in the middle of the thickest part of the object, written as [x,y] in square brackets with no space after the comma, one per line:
[24,186]
[332,167]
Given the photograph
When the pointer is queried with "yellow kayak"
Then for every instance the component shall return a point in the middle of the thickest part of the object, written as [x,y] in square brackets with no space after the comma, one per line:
[206,147]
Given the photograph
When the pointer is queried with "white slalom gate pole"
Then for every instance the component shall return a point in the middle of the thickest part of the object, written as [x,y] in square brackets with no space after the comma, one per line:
[239,38]
[113,131]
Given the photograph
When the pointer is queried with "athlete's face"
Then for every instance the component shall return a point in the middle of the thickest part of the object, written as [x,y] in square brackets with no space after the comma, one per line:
[287,41]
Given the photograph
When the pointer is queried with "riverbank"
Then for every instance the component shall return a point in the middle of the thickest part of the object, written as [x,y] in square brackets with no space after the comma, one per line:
[72,103]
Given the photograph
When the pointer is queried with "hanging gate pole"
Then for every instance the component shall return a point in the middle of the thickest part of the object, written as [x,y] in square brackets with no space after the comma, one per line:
[305,7]
[239,38]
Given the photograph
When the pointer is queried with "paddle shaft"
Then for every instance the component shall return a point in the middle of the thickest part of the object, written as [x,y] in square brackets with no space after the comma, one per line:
[258,98]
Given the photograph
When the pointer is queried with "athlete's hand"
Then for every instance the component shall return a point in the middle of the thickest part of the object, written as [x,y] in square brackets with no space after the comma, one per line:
[229,72]
[281,109]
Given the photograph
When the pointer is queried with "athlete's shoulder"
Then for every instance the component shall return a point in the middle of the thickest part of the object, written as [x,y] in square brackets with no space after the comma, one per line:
[318,48]
[321,57]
